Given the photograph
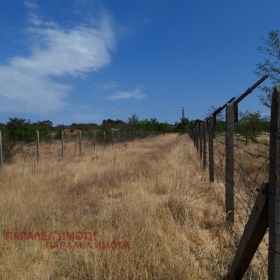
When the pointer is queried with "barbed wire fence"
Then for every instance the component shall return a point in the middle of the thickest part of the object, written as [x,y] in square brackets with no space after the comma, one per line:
[250,169]
[70,144]
[239,158]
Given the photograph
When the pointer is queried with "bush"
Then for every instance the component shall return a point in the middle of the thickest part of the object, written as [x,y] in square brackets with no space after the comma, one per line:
[8,146]
[19,130]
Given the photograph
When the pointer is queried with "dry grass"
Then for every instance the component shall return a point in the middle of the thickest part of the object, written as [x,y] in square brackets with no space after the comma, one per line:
[251,168]
[150,193]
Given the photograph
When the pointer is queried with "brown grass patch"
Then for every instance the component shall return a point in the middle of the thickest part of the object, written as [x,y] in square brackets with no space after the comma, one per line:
[150,193]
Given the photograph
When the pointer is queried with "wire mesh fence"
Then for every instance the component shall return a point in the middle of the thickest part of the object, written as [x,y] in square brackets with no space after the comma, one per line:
[237,153]
[67,144]
[251,169]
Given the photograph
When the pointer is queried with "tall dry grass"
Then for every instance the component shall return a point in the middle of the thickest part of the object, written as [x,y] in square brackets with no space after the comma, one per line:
[150,193]
[251,169]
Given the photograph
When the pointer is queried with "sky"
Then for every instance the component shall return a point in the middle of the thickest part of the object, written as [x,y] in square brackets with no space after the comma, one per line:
[82,61]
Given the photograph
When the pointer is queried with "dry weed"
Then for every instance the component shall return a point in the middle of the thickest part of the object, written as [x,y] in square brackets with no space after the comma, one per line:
[150,194]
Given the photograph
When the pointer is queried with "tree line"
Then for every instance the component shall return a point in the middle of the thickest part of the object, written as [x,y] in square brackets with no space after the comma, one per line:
[18,130]
[21,130]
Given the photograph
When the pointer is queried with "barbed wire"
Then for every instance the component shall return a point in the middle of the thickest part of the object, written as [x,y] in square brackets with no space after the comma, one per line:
[251,162]
[72,145]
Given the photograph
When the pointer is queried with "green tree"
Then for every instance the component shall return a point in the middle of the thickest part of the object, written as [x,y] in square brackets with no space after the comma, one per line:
[133,122]
[47,123]
[165,127]
[113,124]
[183,125]
[154,124]
[13,132]
[251,125]
[270,65]
[145,125]
[194,123]
[21,130]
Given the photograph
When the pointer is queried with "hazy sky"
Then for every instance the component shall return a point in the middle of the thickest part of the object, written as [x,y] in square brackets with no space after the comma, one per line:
[89,60]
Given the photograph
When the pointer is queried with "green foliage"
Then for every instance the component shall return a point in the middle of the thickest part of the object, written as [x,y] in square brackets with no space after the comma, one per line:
[220,126]
[148,124]
[7,145]
[44,131]
[193,123]
[270,65]
[58,129]
[20,130]
[47,123]
[83,126]
[165,127]
[251,125]
[133,122]
[183,125]
[113,124]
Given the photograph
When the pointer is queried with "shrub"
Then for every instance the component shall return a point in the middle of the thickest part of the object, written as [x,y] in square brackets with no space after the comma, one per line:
[19,130]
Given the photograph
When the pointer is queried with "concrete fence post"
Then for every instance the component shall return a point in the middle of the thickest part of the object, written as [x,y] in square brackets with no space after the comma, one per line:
[211,148]
[274,189]
[1,152]
[62,144]
[38,146]
[229,163]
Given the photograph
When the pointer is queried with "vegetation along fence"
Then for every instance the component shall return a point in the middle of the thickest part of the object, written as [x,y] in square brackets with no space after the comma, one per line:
[244,158]
[68,144]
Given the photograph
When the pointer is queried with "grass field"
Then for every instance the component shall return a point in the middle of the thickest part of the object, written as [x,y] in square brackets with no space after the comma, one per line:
[150,195]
